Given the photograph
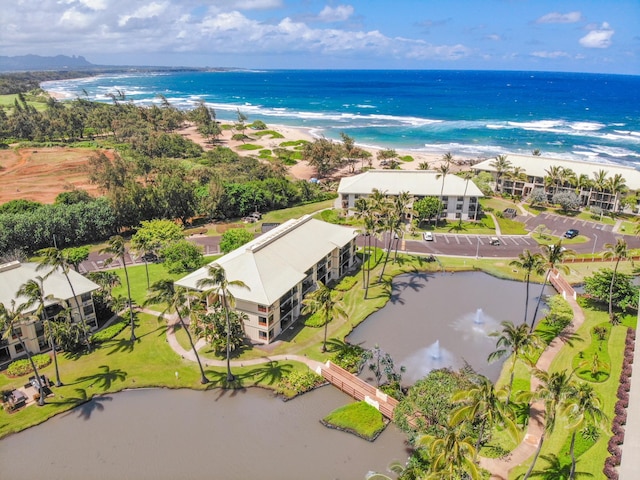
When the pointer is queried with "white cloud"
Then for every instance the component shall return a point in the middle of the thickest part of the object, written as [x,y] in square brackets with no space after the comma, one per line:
[150,10]
[255,4]
[598,37]
[554,54]
[556,17]
[494,37]
[74,19]
[337,14]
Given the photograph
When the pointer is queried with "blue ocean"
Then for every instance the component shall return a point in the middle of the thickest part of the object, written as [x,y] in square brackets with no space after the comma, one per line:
[473,114]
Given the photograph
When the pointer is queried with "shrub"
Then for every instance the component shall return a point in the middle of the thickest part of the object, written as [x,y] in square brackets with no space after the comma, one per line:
[109,332]
[23,366]
[298,382]
[346,284]
[314,321]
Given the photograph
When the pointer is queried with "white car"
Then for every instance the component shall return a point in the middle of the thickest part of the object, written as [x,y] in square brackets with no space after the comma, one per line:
[428,236]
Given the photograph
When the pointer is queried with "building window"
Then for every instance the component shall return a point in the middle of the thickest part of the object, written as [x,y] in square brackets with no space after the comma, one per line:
[88,310]
[262,335]
[85,297]
[262,308]
[19,348]
[16,332]
[262,321]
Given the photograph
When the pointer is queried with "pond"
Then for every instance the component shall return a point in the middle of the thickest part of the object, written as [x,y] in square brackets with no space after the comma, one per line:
[437,320]
[179,434]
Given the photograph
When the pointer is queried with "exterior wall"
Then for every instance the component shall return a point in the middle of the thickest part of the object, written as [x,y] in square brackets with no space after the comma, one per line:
[266,322]
[456,206]
[33,331]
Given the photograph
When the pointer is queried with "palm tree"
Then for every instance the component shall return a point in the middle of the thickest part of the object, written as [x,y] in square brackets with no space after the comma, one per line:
[502,166]
[218,285]
[117,248]
[452,454]
[552,391]
[55,258]
[107,280]
[443,170]
[618,252]
[600,181]
[552,257]
[10,318]
[616,185]
[34,291]
[321,300]
[514,341]
[530,263]
[581,407]
[164,292]
[485,404]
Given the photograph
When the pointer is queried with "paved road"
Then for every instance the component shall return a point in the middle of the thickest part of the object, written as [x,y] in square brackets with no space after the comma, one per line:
[458,244]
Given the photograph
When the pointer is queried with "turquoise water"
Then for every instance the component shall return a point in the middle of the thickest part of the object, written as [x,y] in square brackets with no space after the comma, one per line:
[477,114]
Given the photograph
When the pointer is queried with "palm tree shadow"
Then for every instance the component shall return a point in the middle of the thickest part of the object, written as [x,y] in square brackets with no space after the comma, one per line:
[121,345]
[415,281]
[104,379]
[86,406]
[271,372]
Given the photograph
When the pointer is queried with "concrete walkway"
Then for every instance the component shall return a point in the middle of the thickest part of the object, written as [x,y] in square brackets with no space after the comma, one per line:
[630,462]
[172,321]
[500,467]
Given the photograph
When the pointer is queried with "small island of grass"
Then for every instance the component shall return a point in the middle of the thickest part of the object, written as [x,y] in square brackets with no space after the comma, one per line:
[358,418]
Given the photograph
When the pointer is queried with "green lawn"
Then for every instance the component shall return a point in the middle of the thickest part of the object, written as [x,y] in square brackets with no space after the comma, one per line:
[359,417]
[138,279]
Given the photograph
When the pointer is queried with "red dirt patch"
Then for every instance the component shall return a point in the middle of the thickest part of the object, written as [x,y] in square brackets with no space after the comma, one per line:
[40,174]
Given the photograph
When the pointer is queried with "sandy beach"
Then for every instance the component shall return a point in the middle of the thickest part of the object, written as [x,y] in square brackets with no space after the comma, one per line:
[302,170]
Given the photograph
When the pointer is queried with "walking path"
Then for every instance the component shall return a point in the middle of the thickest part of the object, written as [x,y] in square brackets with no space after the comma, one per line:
[500,467]
[630,463]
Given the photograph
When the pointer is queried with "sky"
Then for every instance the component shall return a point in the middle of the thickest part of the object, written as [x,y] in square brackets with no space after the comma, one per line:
[598,36]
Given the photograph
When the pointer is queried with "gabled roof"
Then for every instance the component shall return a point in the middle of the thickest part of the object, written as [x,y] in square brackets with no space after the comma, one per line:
[15,274]
[276,261]
[421,183]
[536,166]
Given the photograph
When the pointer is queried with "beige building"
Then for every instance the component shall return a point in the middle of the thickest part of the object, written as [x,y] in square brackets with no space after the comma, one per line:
[535,169]
[460,198]
[279,268]
[15,274]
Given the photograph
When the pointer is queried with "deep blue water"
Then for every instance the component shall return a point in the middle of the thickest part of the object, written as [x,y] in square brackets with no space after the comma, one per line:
[471,113]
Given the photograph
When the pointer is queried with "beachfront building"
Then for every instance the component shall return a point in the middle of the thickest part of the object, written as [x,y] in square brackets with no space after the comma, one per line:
[15,274]
[279,268]
[459,197]
[596,184]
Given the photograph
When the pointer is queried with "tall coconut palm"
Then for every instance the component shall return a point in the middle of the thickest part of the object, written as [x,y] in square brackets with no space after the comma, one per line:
[552,257]
[483,403]
[322,301]
[552,391]
[117,248]
[466,176]
[515,341]
[55,258]
[530,263]
[616,185]
[443,170]
[452,454]
[363,210]
[502,166]
[10,319]
[582,407]
[107,280]
[164,292]
[617,252]
[33,290]
[217,286]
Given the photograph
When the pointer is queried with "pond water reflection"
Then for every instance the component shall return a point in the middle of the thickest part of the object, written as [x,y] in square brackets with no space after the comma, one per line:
[183,434]
[437,320]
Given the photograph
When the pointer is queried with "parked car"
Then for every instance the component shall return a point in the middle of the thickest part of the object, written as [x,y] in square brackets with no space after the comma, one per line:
[428,236]
[494,241]
[571,233]
[150,257]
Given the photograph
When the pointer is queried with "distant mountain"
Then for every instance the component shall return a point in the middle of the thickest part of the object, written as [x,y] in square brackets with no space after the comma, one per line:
[23,63]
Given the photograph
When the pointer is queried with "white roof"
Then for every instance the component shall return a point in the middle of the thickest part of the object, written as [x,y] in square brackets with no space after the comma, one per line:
[276,261]
[15,274]
[536,166]
[421,183]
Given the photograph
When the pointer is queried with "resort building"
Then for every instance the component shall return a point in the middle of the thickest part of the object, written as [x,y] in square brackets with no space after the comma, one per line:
[596,184]
[15,274]
[459,197]
[279,268]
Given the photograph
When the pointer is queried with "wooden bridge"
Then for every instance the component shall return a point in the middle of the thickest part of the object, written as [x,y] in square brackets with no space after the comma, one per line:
[358,389]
